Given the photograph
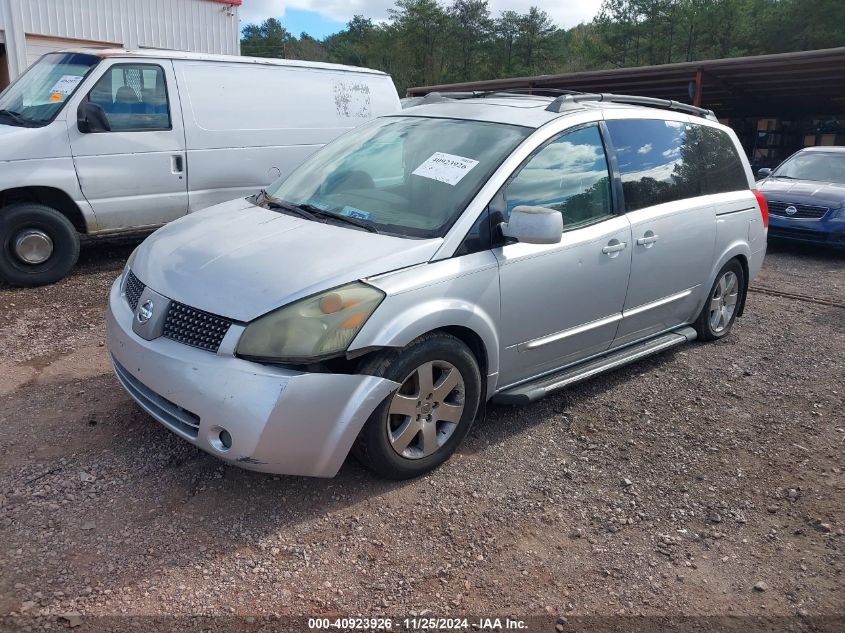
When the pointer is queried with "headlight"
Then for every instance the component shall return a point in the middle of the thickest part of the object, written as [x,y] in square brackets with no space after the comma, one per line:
[311,329]
[839,214]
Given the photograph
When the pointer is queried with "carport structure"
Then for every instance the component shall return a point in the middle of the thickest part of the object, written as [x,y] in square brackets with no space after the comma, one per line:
[799,94]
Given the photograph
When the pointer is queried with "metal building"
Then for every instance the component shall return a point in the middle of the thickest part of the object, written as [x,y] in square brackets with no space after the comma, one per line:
[776,103]
[30,28]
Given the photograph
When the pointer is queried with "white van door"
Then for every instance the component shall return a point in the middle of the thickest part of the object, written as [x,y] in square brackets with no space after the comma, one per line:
[135,174]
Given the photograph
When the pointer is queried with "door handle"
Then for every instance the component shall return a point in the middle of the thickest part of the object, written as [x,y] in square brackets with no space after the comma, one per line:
[647,240]
[614,248]
[177,165]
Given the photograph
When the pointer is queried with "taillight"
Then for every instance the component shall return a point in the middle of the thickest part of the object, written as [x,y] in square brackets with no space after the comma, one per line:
[764,207]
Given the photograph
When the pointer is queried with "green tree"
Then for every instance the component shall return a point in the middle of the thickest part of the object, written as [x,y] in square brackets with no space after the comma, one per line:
[269,39]
[471,28]
[420,29]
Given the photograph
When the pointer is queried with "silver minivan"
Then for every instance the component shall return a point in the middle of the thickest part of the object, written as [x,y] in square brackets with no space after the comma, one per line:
[461,251]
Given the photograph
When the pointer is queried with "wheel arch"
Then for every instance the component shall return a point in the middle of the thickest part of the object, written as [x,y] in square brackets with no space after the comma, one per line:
[470,324]
[49,196]
[740,251]
[743,261]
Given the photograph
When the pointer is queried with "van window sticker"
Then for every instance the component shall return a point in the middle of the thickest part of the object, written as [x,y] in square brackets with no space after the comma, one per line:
[444,167]
[66,84]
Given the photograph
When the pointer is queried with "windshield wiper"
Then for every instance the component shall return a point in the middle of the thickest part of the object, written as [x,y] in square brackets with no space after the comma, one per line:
[277,203]
[310,211]
[15,116]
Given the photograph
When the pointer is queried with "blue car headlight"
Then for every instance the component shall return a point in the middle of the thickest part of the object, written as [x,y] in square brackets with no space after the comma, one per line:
[839,214]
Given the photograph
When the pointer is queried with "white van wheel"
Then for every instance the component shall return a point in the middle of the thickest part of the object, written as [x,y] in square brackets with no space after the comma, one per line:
[38,245]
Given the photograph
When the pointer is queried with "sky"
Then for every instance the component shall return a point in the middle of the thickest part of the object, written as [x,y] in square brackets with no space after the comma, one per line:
[320,18]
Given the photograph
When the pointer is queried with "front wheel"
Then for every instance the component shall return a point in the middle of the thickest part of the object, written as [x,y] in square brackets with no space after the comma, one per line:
[38,245]
[420,425]
[722,306]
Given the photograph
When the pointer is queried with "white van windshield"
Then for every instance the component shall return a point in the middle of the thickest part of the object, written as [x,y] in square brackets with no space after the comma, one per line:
[409,176]
[38,95]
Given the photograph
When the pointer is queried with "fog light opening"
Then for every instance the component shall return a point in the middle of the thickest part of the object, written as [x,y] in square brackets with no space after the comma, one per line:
[220,439]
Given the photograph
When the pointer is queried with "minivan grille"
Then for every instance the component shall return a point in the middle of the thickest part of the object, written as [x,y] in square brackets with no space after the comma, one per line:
[194,327]
[803,211]
[133,289]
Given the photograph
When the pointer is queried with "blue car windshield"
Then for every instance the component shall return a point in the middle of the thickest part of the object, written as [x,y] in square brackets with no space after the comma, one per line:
[819,166]
[36,97]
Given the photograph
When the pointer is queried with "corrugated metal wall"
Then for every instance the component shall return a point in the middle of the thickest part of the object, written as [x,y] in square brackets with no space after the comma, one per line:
[191,25]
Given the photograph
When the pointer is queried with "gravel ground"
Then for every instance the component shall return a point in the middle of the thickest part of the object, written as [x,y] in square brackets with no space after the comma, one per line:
[707,481]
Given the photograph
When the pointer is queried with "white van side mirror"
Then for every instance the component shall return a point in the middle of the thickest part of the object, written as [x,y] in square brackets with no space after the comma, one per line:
[534,225]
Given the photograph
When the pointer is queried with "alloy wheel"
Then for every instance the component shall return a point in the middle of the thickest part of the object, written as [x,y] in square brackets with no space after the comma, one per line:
[426,410]
[723,302]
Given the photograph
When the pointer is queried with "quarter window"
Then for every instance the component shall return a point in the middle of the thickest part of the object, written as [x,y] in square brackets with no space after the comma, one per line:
[134,98]
[660,161]
[723,167]
[569,174]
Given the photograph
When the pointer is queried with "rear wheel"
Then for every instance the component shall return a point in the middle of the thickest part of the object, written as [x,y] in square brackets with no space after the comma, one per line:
[38,245]
[719,313]
[420,425]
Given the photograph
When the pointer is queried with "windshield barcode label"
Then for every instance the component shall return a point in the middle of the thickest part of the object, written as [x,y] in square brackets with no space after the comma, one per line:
[446,168]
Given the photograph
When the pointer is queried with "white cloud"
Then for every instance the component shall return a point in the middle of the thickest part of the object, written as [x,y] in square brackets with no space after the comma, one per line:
[566,14]
[645,149]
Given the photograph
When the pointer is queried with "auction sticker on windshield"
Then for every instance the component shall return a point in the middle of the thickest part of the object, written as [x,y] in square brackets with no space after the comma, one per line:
[446,168]
[66,84]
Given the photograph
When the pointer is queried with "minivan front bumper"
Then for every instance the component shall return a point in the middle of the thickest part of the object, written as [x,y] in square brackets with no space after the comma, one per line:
[279,420]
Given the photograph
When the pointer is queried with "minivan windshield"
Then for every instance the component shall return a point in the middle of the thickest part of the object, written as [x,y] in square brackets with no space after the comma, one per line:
[820,166]
[38,95]
[409,176]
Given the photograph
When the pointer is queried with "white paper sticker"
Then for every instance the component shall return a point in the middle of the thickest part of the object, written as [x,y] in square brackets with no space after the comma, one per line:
[66,84]
[446,168]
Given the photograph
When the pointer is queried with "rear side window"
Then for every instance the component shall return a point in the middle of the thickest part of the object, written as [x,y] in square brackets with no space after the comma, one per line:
[724,170]
[659,161]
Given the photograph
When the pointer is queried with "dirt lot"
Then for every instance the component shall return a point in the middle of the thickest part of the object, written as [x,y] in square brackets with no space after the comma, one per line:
[706,481]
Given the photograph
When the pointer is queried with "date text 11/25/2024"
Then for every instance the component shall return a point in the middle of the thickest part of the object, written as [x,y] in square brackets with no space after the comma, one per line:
[417,624]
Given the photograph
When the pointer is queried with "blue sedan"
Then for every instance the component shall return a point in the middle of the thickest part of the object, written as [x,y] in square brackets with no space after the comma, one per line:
[806,196]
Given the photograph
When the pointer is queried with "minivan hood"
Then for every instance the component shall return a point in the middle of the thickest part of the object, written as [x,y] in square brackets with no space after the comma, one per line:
[26,143]
[823,194]
[241,261]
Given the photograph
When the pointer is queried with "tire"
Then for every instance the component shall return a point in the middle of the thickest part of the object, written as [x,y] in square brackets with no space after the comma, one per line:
[726,298]
[429,429]
[46,233]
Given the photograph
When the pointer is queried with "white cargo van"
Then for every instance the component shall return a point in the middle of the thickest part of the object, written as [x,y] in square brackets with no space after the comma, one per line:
[102,142]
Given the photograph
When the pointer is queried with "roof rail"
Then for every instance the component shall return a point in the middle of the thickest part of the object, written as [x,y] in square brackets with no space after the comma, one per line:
[564,102]
[436,97]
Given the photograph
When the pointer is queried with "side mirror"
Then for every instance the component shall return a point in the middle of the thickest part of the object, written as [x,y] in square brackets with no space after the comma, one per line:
[92,118]
[764,172]
[534,225]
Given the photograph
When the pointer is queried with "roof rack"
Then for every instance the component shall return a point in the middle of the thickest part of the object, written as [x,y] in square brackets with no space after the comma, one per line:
[564,102]
[436,97]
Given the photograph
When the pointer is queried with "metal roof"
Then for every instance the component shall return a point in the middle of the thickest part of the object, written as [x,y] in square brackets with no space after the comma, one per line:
[806,82]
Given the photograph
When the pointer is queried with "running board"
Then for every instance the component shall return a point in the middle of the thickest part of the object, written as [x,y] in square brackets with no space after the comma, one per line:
[540,387]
